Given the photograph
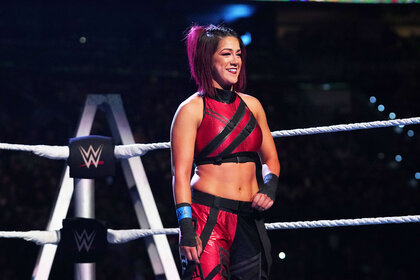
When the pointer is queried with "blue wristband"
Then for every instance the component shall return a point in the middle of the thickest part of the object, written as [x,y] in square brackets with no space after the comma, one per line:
[183,212]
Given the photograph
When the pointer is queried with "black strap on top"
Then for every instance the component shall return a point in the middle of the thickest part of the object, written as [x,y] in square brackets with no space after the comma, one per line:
[218,140]
[240,157]
[250,126]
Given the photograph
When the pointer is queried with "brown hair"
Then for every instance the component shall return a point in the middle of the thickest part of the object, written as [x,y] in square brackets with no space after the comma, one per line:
[202,43]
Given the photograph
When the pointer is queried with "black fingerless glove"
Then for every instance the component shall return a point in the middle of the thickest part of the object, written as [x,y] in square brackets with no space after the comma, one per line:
[187,232]
[270,186]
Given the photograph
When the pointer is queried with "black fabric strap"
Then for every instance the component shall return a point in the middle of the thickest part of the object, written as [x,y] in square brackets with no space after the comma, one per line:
[214,272]
[240,157]
[265,241]
[225,204]
[200,271]
[216,141]
[246,131]
[208,228]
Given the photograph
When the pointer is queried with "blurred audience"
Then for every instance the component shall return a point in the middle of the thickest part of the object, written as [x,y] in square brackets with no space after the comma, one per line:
[331,176]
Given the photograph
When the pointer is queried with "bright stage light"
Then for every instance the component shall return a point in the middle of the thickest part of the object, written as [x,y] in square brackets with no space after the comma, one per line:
[282,255]
[372,99]
[246,38]
[235,11]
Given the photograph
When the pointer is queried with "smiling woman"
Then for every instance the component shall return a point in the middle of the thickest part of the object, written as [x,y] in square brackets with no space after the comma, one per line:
[225,134]
[226,63]
[202,45]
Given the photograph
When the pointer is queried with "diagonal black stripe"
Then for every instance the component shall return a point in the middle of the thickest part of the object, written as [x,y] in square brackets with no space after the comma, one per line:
[216,117]
[209,226]
[216,141]
[222,250]
[245,132]
[246,264]
[214,112]
[214,272]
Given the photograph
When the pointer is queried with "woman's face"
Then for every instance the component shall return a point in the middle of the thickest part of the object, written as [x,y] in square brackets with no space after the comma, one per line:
[227,63]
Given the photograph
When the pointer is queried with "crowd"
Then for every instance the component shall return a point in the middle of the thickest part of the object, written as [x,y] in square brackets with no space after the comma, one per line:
[332,176]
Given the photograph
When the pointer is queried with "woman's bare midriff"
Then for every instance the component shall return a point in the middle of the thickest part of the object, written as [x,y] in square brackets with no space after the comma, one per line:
[229,180]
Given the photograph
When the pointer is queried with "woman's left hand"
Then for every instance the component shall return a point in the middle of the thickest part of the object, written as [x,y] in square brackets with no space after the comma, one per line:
[261,202]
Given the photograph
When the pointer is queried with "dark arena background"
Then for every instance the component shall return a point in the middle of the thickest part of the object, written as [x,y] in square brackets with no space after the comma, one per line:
[310,64]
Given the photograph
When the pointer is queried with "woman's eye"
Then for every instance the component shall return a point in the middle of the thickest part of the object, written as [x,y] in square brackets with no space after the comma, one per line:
[225,54]
[239,54]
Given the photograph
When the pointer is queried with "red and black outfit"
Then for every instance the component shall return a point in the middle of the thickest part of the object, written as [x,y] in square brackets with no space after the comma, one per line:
[234,239]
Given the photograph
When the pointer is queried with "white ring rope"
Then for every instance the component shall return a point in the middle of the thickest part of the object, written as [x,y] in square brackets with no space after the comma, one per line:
[344,127]
[39,237]
[123,236]
[344,222]
[51,152]
[133,150]
[127,151]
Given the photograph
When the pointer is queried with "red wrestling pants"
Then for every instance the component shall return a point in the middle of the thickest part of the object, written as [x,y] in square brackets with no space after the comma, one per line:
[234,244]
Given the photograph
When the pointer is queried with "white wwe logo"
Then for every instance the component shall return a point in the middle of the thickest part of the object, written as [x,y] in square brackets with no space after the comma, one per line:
[91,155]
[84,240]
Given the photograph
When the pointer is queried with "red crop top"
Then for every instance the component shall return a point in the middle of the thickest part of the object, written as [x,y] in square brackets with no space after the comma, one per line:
[228,132]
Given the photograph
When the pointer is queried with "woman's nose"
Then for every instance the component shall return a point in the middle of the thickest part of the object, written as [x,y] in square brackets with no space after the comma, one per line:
[234,60]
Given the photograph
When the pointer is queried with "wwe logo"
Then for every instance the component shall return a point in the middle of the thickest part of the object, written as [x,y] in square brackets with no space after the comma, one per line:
[84,240]
[91,156]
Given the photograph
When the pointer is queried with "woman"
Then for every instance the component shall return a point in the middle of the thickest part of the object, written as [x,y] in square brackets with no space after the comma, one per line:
[225,134]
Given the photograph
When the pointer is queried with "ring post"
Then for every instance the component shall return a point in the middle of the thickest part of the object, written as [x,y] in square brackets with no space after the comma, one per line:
[84,207]
[163,263]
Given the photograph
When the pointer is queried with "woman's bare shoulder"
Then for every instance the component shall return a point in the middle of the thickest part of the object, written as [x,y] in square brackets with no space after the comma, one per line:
[192,102]
[252,102]
[192,107]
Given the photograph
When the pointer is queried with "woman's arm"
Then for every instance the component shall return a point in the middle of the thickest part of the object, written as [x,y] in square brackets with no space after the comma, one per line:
[183,132]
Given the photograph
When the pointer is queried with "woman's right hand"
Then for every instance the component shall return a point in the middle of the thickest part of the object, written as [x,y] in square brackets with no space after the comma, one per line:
[192,253]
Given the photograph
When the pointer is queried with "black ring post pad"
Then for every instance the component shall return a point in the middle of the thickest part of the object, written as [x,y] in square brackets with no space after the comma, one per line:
[83,240]
[91,157]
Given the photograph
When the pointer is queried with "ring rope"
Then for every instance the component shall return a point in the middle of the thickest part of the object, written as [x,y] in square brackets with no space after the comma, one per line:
[133,150]
[344,222]
[344,127]
[123,236]
[127,151]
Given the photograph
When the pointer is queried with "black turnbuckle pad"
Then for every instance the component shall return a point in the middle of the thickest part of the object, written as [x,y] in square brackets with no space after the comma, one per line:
[91,157]
[83,240]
